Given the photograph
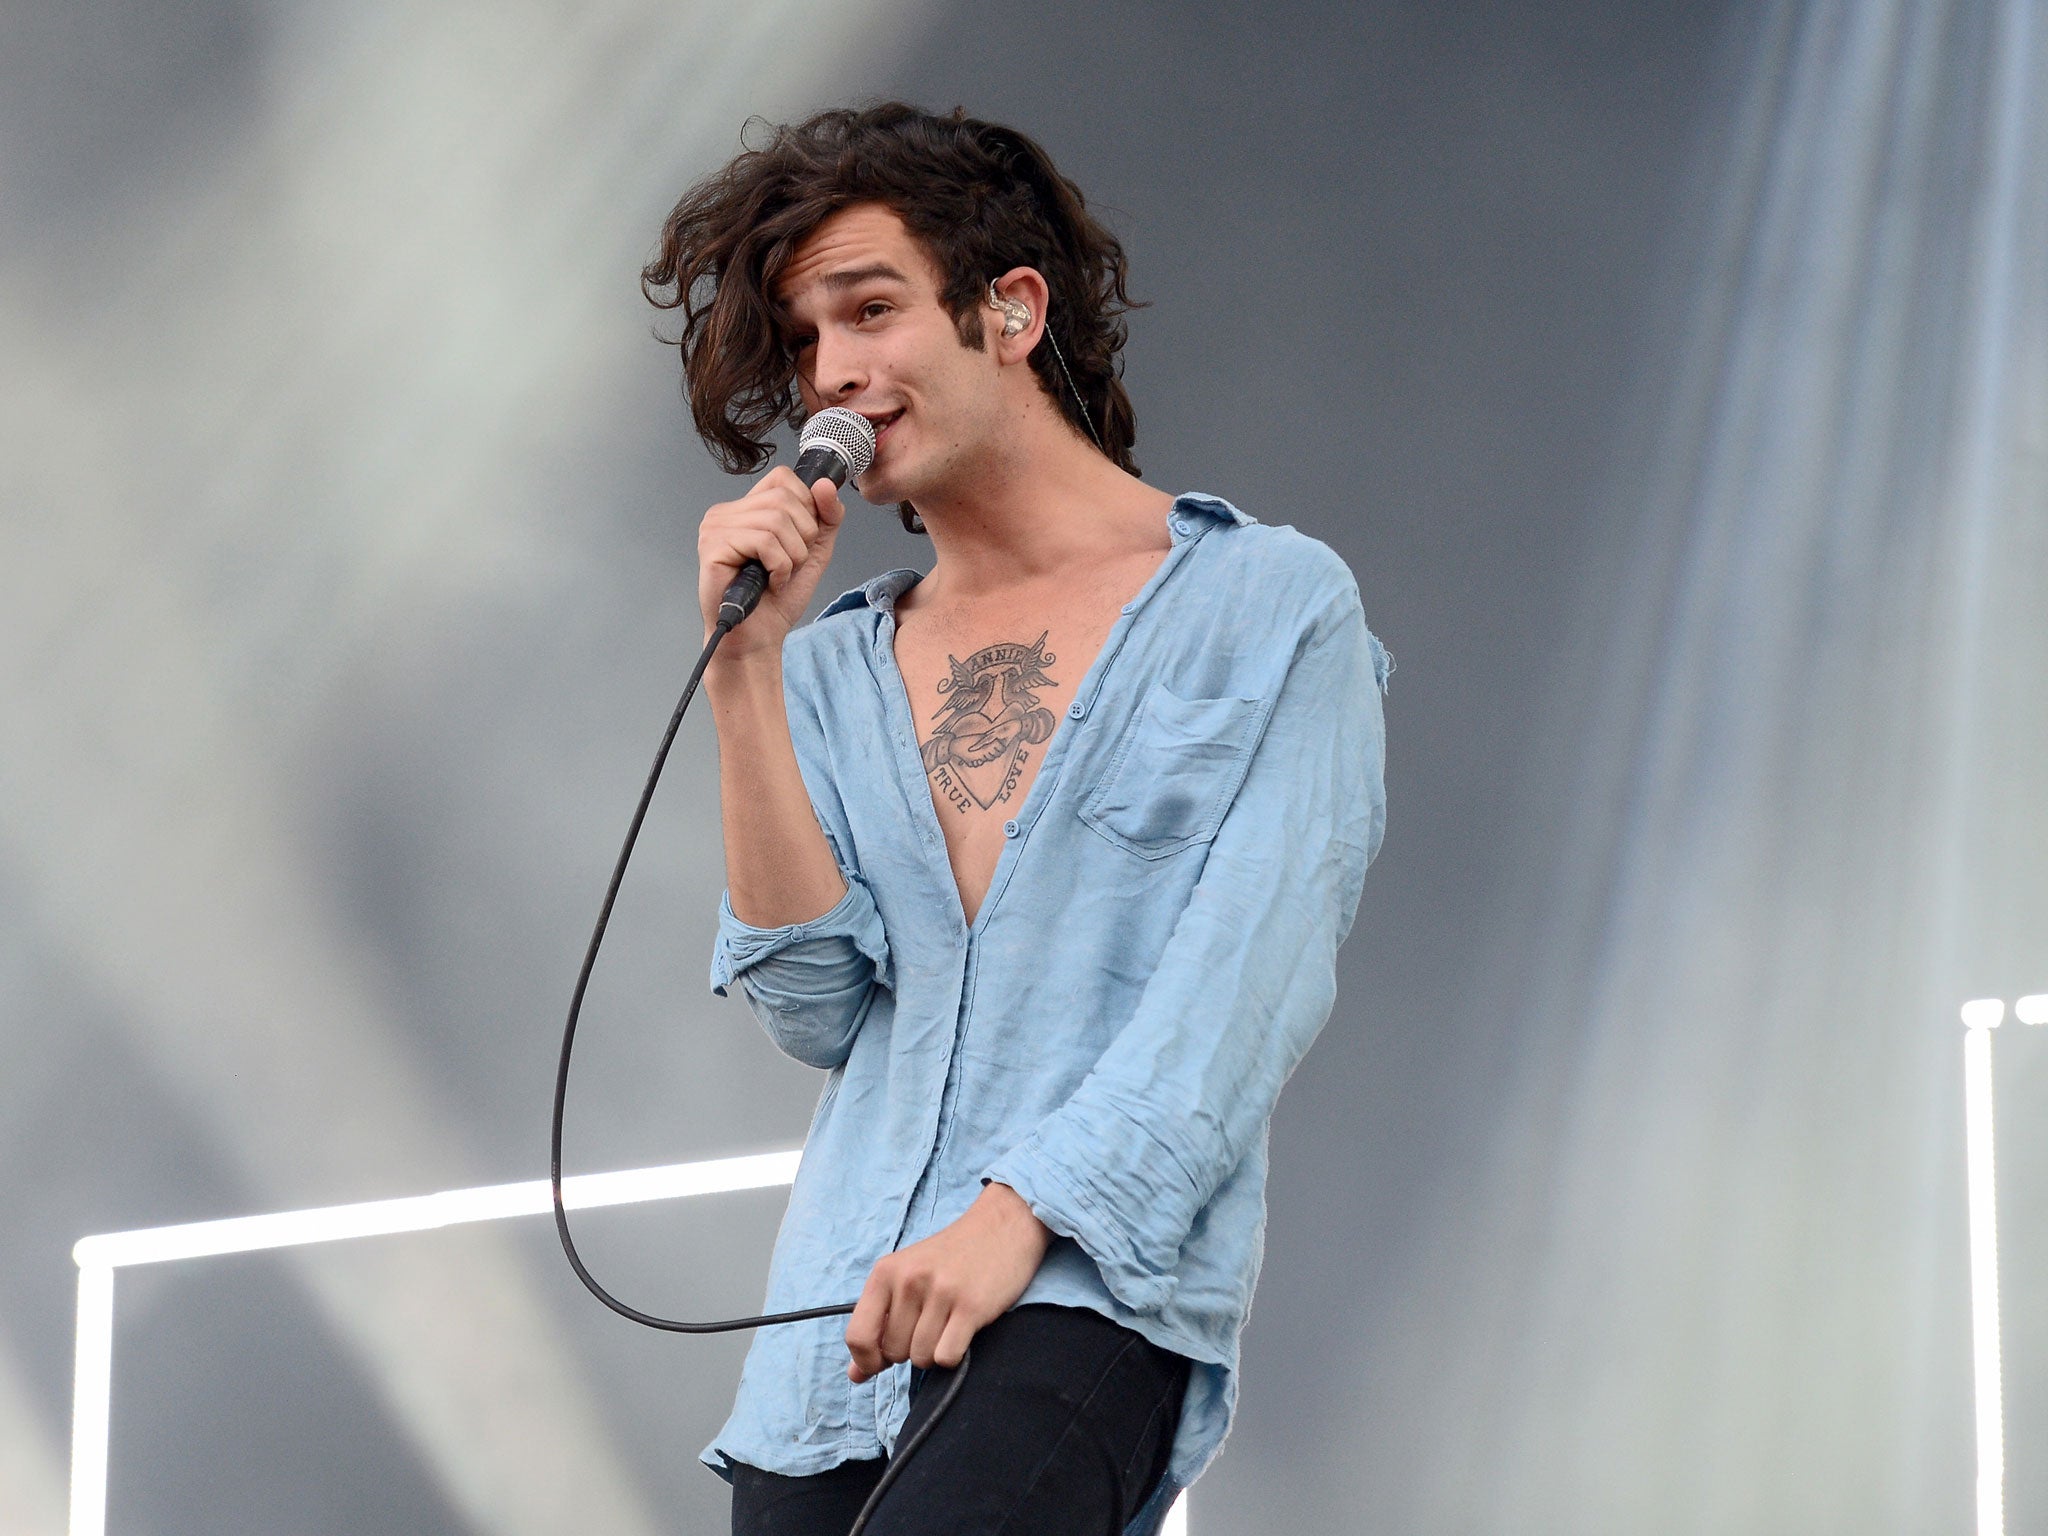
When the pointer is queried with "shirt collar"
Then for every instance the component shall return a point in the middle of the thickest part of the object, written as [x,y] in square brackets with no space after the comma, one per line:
[1192,511]
[1188,518]
[879,594]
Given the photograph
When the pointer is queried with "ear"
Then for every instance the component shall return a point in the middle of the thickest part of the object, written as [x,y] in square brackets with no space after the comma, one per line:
[1020,285]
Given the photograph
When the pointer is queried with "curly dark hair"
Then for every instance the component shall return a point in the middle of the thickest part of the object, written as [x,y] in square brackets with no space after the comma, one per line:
[979,197]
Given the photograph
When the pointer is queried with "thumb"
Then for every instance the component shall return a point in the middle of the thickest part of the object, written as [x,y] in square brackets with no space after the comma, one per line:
[825,499]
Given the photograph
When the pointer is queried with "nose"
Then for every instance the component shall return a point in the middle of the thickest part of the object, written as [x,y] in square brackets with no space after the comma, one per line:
[837,371]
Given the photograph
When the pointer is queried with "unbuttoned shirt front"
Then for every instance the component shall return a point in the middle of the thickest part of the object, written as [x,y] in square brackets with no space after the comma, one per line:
[1108,1037]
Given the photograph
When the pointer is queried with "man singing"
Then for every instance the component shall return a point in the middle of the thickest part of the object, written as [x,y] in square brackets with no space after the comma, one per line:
[1043,857]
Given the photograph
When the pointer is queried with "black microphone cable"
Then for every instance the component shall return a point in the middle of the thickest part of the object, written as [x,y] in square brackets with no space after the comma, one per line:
[739,600]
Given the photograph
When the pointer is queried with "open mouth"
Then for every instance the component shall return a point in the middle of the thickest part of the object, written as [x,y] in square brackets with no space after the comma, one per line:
[882,424]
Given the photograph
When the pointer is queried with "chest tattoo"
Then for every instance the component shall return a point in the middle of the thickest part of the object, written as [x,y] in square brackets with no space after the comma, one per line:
[989,719]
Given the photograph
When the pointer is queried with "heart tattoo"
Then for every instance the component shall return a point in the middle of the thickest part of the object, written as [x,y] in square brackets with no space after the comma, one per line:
[977,749]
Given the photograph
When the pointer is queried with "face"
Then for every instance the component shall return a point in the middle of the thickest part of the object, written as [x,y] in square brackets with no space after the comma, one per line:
[861,299]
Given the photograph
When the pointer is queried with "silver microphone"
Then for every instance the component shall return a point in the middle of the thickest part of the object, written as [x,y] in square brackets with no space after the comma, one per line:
[836,444]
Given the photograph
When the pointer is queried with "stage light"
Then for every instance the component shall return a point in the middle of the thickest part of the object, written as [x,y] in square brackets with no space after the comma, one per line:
[91,1400]
[2032,1009]
[423,1213]
[100,1255]
[1982,1016]
[1984,1013]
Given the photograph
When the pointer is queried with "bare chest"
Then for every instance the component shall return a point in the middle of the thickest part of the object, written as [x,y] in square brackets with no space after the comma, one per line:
[987,692]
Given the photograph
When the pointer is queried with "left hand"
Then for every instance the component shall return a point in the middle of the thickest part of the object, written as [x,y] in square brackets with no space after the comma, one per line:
[925,1302]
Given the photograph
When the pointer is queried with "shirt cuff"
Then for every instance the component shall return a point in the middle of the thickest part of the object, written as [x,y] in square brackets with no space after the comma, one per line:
[1134,1268]
[854,921]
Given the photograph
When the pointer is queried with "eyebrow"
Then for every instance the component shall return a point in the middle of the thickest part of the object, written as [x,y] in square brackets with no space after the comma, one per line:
[853,277]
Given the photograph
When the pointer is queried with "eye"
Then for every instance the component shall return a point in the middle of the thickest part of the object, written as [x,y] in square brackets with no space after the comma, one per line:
[874,309]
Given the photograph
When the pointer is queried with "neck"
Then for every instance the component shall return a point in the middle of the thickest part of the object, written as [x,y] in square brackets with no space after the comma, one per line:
[1044,504]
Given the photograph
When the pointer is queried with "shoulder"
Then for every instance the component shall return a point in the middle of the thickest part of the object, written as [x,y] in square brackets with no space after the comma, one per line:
[1269,561]
[1295,587]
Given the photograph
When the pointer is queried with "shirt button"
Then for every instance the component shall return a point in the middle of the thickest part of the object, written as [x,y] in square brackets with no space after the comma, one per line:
[1180,525]
[1076,710]
[1128,607]
[1009,829]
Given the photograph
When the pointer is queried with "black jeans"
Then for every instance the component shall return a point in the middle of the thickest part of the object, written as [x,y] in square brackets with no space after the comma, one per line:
[1062,1429]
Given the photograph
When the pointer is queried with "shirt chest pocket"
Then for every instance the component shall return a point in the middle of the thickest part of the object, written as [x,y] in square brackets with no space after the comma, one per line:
[1175,772]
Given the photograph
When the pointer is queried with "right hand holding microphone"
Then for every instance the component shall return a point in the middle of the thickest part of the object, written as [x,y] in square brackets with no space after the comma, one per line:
[790,528]
[779,535]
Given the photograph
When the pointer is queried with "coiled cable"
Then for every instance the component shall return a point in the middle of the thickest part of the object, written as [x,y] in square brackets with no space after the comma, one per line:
[632,1313]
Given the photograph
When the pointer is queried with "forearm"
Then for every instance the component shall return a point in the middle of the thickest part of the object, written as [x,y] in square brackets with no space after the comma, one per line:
[779,868]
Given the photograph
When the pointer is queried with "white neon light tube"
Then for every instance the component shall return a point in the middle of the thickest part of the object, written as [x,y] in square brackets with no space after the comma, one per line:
[100,1255]
[1982,1017]
[423,1213]
[92,1400]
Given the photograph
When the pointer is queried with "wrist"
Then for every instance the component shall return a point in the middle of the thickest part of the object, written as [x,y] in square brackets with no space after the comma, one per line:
[738,671]
[1010,1209]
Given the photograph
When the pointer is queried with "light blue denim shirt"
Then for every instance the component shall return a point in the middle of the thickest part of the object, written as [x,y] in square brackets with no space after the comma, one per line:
[1155,952]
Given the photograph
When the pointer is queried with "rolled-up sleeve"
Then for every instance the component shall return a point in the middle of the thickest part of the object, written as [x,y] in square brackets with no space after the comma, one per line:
[810,984]
[1127,1164]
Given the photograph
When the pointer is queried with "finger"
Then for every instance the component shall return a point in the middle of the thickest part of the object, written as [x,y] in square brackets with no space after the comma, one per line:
[784,490]
[730,546]
[825,499]
[958,1334]
[790,545]
[932,1321]
[780,477]
[864,1328]
[907,1302]
[717,577]
[789,518]
[794,502]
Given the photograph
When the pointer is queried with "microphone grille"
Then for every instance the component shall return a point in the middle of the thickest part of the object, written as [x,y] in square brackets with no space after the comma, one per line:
[847,431]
